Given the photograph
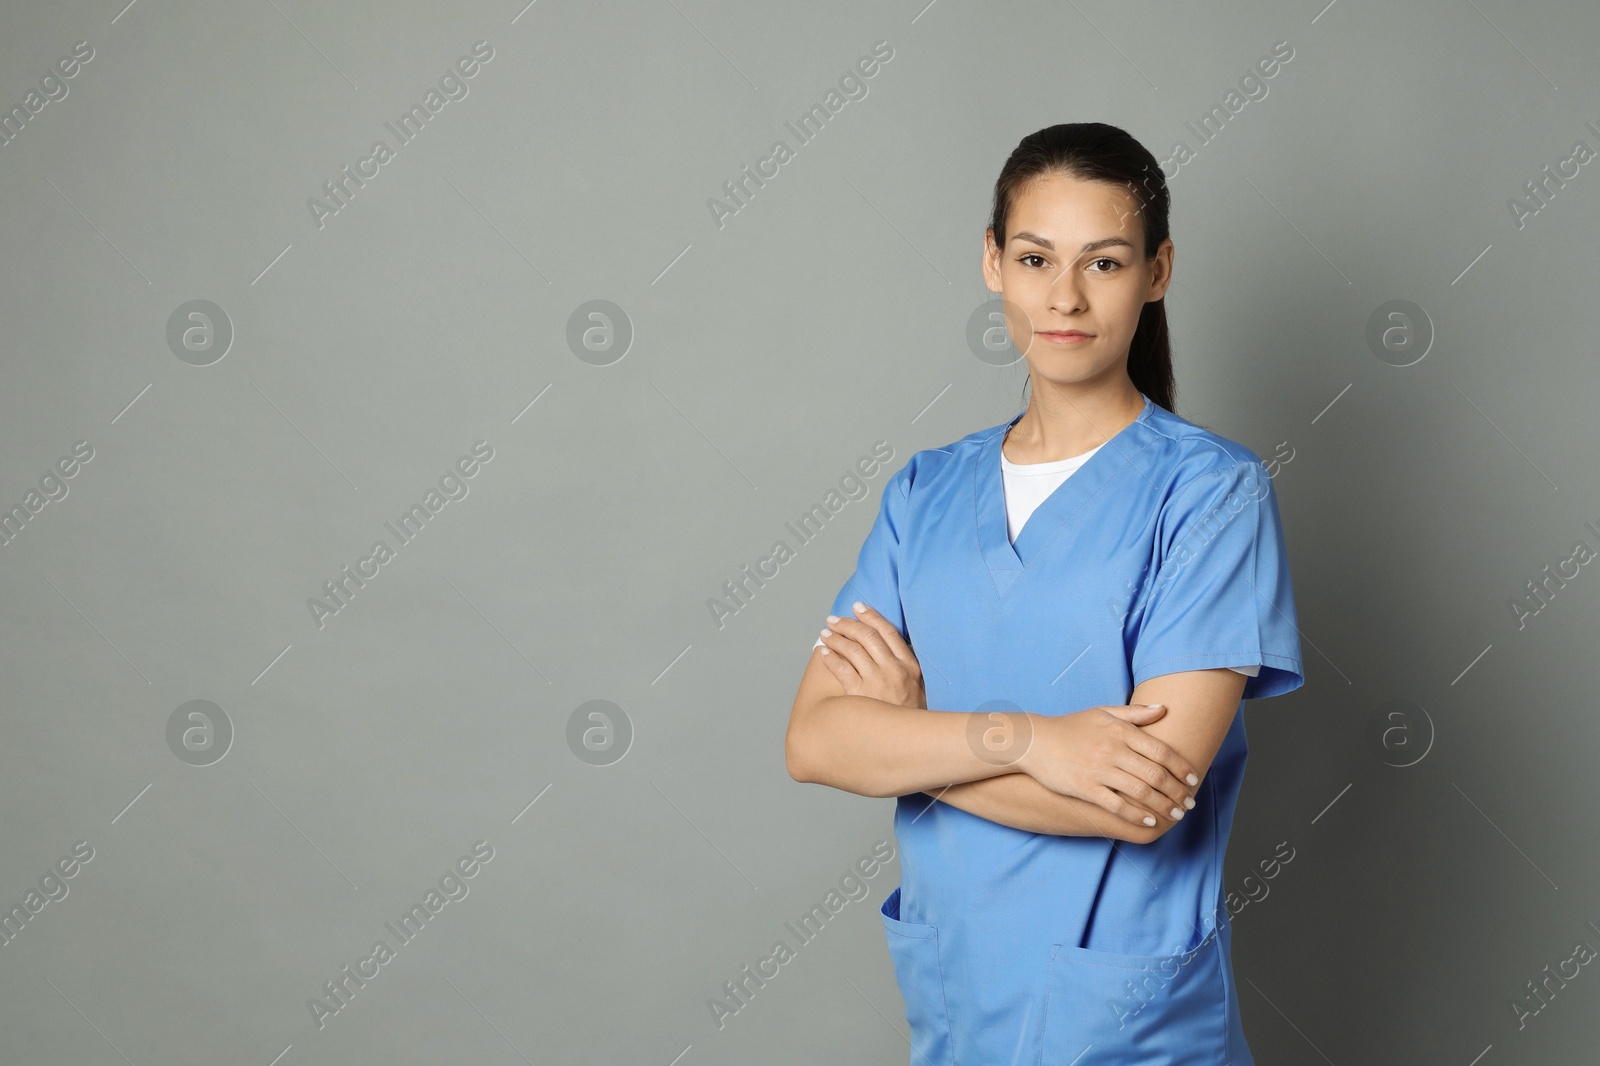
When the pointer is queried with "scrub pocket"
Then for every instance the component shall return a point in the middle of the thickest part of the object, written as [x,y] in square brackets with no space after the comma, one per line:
[1155,1010]
[915,951]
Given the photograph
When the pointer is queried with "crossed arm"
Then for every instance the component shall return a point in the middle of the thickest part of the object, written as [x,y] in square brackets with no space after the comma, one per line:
[880,739]
[1200,708]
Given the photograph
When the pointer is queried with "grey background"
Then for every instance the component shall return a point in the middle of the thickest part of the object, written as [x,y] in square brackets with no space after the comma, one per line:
[767,356]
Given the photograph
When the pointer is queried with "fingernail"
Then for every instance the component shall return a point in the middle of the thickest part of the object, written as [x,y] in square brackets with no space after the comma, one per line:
[1188,801]
[1155,706]
[1149,819]
[859,606]
[832,618]
[827,632]
[1193,780]
[1176,814]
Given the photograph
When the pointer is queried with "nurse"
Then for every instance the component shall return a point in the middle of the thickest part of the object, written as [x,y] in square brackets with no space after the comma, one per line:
[1044,651]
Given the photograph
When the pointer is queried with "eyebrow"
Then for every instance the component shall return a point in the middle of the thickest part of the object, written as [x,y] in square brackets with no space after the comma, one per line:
[1043,242]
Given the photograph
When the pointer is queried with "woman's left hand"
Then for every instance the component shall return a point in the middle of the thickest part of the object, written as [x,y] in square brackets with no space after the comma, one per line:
[870,658]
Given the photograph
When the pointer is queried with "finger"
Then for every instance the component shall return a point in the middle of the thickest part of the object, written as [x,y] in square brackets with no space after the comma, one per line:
[1138,792]
[1157,777]
[841,667]
[1121,807]
[849,650]
[1157,750]
[1108,827]
[866,636]
[1138,713]
[888,631]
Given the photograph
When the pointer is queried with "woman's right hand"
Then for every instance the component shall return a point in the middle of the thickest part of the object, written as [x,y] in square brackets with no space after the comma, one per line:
[1101,755]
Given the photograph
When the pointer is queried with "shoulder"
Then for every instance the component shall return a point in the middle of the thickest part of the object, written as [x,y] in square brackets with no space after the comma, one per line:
[929,468]
[1185,456]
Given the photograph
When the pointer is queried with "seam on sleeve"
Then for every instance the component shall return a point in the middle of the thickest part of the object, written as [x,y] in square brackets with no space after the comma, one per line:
[1267,658]
[1237,655]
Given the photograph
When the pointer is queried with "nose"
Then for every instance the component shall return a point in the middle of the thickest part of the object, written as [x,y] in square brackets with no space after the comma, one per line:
[1066,292]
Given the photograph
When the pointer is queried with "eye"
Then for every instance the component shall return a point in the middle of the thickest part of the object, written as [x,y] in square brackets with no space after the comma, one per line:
[1031,255]
[1106,259]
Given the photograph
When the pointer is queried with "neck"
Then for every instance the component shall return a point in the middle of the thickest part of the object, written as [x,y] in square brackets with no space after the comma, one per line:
[1059,425]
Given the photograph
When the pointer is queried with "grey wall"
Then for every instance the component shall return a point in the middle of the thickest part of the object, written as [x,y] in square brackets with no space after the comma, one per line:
[1431,778]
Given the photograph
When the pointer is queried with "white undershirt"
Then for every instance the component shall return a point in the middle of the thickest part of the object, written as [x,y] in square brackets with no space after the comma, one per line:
[1027,485]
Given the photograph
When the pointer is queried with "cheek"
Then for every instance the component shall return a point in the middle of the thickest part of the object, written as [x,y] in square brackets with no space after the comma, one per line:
[1020,280]
[1123,303]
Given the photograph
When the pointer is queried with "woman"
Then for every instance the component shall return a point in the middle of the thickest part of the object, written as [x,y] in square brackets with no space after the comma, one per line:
[1064,809]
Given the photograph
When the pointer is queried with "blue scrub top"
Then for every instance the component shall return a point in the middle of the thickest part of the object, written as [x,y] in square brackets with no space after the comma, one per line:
[1162,553]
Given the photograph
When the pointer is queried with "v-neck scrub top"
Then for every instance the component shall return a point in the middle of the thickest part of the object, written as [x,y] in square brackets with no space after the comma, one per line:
[1162,553]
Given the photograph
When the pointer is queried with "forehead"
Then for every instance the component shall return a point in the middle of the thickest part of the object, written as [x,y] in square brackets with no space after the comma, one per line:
[1071,211]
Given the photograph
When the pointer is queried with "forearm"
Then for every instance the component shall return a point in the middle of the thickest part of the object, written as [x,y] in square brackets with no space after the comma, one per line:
[873,748]
[1017,800]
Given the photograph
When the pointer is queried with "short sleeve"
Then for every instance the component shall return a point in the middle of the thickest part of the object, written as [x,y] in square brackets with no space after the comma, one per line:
[876,581]
[1221,594]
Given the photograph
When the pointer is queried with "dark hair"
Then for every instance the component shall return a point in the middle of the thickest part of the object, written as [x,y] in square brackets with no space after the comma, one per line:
[1094,151]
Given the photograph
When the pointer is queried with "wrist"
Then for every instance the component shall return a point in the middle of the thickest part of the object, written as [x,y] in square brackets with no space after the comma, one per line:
[1027,740]
[1001,739]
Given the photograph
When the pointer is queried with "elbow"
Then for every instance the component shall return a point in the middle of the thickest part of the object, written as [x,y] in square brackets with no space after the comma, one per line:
[800,754]
[793,761]
[812,758]
[797,752]
[810,766]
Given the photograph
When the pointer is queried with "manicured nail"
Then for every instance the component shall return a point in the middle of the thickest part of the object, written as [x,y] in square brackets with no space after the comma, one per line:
[1193,780]
[1176,814]
[1155,706]
[832,618]
[1149,819]
[827,632]
[859,606]
[1188,801]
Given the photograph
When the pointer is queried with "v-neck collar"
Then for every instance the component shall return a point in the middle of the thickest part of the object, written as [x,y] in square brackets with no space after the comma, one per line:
[1006,560]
